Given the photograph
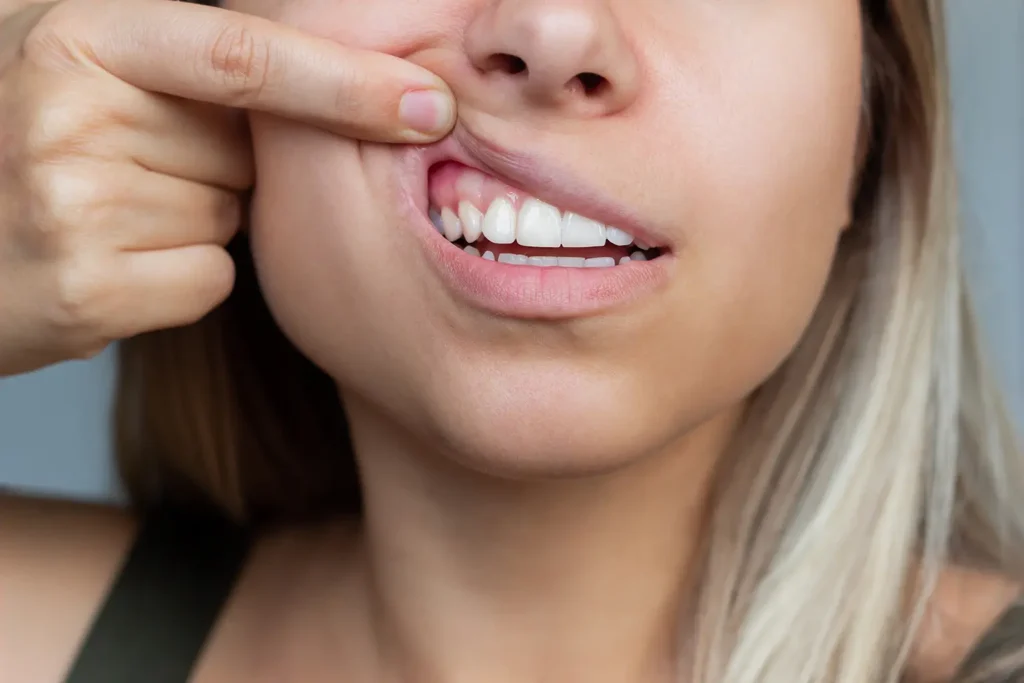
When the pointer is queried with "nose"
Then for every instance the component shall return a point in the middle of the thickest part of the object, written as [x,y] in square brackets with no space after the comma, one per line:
[568,54]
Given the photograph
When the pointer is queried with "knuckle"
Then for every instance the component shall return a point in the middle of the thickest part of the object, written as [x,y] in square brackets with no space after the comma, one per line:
[56,131]
[63,204]
[241,62]
[78,300]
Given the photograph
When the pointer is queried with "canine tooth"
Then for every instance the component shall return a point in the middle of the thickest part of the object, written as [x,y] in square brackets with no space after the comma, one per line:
[488,255]
[618,237]
[473,251]
[544,261]
[472,220]
[638,256]
[624,260]
[571,261]
[642,245]
[579,231]
[600,262]
[539,225]
[435,218]
[499,224]
[452,224]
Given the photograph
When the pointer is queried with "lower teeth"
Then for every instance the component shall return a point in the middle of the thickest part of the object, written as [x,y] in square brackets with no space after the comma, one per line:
[562,261]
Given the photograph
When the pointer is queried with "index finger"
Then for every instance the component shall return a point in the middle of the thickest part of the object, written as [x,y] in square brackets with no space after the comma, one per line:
[239,60]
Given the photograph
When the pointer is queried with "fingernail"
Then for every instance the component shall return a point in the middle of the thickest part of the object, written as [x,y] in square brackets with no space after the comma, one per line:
[426,111]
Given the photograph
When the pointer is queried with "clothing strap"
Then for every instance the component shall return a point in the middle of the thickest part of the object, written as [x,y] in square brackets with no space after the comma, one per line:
[998,657]
[164,603]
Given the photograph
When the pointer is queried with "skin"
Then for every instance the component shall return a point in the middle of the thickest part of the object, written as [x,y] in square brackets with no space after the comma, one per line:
[122,148]
[534,489]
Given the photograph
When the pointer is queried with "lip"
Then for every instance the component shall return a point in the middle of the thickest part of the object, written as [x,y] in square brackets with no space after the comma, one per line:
[529,292]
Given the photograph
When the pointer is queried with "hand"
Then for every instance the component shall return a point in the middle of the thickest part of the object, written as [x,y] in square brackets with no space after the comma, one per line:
[122,153]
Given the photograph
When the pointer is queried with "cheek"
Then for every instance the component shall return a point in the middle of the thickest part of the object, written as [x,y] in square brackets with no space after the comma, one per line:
[769,111]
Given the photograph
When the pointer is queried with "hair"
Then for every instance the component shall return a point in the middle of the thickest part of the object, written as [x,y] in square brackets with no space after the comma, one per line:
[879,453]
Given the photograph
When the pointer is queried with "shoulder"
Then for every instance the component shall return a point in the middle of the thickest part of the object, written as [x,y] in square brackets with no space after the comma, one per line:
[57,560]
[972,628]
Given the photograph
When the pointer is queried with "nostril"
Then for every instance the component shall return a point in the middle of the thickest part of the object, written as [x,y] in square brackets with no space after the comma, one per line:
[505,63]
[593,84]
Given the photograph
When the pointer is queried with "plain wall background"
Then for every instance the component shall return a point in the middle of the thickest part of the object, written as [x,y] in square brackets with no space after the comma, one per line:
[53,423]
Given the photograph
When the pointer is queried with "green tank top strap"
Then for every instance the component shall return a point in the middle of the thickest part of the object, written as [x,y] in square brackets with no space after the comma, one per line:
[162,606]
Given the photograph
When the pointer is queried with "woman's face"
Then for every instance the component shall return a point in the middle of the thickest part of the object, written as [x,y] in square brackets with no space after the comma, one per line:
[722,132]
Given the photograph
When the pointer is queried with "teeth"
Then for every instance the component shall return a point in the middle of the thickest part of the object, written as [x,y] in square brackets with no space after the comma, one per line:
[549,261]
[618,237]
[539,225]
[515,259]
[435,218]
[500,222]
[578,231]
[472,221]
[637,256]
[452,225]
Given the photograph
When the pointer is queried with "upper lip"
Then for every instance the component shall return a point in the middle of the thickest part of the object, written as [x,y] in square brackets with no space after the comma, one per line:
[544,180]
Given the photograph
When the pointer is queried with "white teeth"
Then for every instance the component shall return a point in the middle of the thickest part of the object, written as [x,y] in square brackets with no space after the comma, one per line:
[452,224]
[472,221]
[500,222]
[515,259]
[637,256]
[618,237]
[435,218]
[578,231]
[549,261]
[539,225]
[642,245]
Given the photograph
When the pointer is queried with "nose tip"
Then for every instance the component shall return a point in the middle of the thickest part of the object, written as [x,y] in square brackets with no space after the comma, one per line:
[568,53]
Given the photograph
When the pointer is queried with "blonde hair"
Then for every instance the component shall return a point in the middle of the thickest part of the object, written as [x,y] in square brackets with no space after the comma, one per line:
[877,454]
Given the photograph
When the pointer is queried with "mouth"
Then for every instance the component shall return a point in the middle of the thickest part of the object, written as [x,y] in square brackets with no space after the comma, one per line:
[490,219]
[509,235]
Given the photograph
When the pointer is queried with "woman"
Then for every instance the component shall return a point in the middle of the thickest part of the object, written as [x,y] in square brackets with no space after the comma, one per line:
[659,368]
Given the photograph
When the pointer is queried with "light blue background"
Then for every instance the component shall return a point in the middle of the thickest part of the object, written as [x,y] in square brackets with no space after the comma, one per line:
[53,423]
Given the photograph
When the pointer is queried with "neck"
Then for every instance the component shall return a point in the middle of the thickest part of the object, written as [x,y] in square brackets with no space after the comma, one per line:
[476,578]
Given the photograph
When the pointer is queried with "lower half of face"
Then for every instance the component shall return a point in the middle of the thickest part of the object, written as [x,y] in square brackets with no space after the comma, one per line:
[593,266]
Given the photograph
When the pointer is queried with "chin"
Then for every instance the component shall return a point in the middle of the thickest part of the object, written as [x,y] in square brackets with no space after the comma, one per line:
[544,423]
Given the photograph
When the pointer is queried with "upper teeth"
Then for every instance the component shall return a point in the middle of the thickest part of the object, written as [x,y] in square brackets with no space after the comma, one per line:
[536,224]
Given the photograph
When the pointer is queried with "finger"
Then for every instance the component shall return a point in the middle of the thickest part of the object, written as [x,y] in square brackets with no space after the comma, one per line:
[121,207]
[191,140]
[228,58]
[194,141]
[168,288]
[165,212]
